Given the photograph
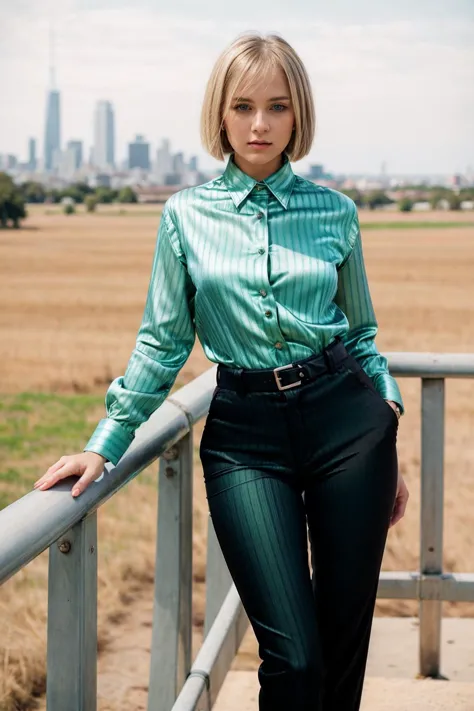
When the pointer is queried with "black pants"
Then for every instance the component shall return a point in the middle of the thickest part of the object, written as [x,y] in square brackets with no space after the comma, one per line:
[322,456]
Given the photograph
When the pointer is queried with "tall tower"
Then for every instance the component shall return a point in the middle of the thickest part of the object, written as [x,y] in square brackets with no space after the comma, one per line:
[52,136]
[163,163]
[104,135]
[32,154]
[139,154]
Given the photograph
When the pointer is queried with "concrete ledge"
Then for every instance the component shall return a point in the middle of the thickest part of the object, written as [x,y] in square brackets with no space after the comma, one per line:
[240,693]
[394,648]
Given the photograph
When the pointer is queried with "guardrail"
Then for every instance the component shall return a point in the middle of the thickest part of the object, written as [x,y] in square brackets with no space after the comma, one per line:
[69,528]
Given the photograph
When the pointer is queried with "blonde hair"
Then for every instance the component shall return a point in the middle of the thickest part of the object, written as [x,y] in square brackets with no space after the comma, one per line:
[249,57]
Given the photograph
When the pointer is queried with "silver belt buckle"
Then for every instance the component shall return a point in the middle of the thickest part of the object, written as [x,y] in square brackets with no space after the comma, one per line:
[277,378]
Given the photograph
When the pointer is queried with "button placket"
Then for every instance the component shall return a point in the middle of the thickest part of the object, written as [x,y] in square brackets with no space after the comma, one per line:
[260,205]
[269,307]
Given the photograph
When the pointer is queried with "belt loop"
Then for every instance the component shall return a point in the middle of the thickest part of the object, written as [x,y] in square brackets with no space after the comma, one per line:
[329,358]
[240,388]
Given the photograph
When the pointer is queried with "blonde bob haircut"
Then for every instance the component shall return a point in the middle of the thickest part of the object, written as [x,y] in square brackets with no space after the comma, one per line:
[244,61]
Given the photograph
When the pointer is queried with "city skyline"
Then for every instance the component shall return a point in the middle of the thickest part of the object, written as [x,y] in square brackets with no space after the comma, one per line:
[391,89]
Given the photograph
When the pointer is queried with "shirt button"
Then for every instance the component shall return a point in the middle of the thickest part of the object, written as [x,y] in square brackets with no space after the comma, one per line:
[268,314]
[261,250]
[278,344]
[260,215]
[263,292]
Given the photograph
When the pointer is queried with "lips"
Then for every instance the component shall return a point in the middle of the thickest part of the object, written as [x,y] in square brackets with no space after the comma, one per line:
[259,143]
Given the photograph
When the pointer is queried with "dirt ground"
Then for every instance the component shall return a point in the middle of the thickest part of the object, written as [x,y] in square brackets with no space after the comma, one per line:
[72,290]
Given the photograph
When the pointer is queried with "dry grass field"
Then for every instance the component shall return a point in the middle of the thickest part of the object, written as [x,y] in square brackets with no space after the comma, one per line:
[72,290]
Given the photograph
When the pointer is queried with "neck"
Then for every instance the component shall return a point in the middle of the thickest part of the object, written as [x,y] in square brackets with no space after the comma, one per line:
[258,172]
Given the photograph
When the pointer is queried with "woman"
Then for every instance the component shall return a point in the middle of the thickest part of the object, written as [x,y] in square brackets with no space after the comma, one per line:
[267,268]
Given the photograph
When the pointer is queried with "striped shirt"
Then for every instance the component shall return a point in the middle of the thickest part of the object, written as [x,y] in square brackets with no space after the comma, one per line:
[266,273]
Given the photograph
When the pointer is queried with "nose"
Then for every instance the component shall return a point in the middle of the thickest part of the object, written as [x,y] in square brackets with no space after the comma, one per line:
[260,123]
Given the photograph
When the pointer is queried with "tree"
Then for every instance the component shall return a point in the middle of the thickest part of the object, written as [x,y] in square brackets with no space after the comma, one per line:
[12,204]
[68,208]
[436,196]
[90,202]
[466,193]
[77,191]
[84,188]
[405,205]
[53,196]
[105,195]
[376,198]
[72,191]
[127,195]
[454,201]
[33,192]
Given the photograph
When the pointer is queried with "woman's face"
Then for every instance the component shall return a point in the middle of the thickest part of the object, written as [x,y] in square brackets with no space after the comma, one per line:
[264,114]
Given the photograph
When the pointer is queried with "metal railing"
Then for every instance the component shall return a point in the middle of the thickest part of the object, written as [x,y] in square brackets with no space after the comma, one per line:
[69,528]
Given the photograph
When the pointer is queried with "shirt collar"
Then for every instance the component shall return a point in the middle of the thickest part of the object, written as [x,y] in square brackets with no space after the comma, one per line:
[240,185]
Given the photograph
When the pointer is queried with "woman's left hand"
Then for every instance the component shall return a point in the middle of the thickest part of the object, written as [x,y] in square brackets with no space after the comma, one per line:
[393,405]
[401,500]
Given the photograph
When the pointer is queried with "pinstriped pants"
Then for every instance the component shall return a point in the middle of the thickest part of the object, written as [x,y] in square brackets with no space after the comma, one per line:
[320,458]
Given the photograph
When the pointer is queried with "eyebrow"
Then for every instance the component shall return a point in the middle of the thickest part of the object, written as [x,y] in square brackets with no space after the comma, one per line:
[275,98]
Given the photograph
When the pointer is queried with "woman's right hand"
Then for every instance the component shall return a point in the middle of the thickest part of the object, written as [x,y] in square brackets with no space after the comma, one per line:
[87,465]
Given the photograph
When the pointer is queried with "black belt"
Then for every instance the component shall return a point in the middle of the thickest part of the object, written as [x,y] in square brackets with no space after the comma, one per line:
[285,376]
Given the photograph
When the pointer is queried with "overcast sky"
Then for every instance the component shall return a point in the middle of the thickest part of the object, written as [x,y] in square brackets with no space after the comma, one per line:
[393,82]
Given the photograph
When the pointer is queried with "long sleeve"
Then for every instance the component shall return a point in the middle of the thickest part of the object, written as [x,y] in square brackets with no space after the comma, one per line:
[353,298]
[164,342]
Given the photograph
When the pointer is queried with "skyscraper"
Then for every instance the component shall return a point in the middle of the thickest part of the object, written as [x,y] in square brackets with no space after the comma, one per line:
[104,135]
[178,163]
[139,154]
[32,154]
[163,164]
[52,136]
[75,149]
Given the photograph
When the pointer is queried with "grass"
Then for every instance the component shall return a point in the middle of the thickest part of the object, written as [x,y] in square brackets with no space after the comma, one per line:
[34,426]
[37,426]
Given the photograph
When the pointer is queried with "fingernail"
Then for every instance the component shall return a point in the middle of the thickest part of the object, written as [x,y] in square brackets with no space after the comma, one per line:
[75,492]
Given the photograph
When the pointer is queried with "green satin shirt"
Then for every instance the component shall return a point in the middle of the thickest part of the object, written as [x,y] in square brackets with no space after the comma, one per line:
[264,272]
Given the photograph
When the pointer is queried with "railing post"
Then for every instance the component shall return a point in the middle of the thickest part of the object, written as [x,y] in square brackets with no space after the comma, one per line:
[72,619]
[218,578]
[431,535]
[172,613]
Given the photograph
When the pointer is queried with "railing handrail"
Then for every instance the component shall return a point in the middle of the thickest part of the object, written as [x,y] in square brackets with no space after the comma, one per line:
[430,364]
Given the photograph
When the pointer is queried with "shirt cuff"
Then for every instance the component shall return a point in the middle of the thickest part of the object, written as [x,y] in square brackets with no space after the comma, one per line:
[110,440]
[388,388]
